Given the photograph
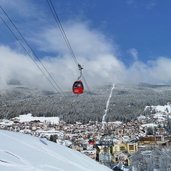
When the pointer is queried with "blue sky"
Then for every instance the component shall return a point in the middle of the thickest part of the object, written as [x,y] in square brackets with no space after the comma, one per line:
[143,25]
[132,36]
[140,24]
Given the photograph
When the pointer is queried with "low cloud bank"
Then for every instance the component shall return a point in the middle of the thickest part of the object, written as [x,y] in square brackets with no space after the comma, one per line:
[97,55]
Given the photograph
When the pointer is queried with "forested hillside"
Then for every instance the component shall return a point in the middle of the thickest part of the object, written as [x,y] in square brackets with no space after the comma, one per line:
[127,102]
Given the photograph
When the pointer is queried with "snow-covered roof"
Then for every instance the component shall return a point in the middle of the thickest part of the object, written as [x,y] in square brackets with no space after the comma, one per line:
[141,117]
[29,117]
[117,122]
[126,138]
[149,125]
[6,122]
[159,108]
[160,117]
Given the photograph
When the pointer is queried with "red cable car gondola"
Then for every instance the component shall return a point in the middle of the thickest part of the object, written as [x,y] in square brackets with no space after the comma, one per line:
[78,87]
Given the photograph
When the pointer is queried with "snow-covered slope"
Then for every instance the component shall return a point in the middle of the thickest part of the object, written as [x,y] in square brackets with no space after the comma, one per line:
[28,117]
[159,108]
[21,152]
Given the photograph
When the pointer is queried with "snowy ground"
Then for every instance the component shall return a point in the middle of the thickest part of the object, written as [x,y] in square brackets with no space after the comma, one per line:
[159,108]
[21,152]
[28,117]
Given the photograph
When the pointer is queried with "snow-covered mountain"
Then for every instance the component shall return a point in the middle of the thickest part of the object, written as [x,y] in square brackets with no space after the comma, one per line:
[19,152]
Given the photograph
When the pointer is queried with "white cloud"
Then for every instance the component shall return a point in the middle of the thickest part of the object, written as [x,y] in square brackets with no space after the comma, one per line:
[129,1]
[17,66]
[93,51]
[151,4]
[28,16]
[84,41]
[21,7]
[134,53]
[102,69]
[148,5]
[156,71]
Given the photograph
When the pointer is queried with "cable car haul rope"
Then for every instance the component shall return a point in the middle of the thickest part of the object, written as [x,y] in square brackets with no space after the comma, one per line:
[78,87]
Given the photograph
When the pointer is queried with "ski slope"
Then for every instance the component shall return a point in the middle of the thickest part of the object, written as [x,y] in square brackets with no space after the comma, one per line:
[21,152]
[107,105]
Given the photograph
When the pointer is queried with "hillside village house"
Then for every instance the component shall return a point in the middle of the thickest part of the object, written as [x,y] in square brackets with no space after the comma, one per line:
[116,152]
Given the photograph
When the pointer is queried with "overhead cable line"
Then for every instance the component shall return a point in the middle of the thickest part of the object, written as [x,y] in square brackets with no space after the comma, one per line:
[25,50]
[8,112]
[59,24]
[45,72]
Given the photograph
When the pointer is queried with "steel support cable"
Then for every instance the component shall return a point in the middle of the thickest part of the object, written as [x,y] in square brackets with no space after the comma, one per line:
[7,114]
[59,24]
[28,53]
[52,81]
[56,17]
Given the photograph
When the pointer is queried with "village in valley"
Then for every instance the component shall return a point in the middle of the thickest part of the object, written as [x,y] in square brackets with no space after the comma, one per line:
[115,144]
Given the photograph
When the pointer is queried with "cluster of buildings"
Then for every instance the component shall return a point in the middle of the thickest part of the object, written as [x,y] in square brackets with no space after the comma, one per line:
[112,144]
